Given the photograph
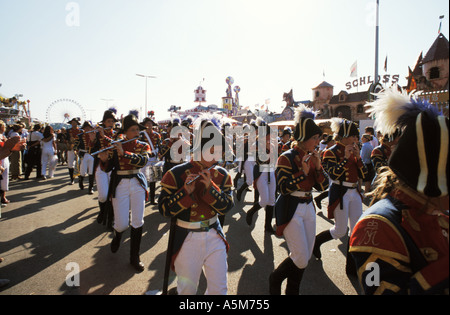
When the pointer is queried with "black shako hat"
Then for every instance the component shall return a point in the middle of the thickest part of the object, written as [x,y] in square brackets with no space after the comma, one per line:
[146,119]
[87,123]
[344,128]
[109,114]
[305,127]
[129,121]
[75,119]
[420,158]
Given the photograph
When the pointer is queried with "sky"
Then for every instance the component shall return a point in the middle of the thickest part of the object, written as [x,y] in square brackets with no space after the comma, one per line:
[90,51]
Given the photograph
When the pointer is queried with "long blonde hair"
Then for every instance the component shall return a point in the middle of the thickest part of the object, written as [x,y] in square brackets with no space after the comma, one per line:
[384,184]
[387,181]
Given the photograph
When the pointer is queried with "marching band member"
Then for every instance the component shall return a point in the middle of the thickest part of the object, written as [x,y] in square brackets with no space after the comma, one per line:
[153,138]
[344,167]
[102,178]
[380,154]
[196,193]
[241,144]
[264,177]
[298,171]
[285,141]
[128,187]
[405,233]
[249,163]
[72,134]
[86,144]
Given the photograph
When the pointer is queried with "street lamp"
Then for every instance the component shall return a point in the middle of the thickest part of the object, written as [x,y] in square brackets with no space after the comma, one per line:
[146,77]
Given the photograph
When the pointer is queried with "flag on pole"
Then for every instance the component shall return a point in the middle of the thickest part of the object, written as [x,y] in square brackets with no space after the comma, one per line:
[440,24]
[354,69]
[385,64]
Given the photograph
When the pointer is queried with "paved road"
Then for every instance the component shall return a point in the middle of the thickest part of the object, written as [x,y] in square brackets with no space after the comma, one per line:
[49,229]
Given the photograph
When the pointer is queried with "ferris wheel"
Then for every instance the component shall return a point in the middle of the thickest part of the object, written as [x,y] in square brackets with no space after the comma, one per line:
[64,110]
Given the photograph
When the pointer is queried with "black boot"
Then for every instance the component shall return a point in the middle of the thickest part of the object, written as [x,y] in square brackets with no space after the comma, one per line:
[321,238]
[256,195]
[236,178]
[295,276]
[136,236]
[71,175]
[115,244]
[80,182]
[277,277]
[268,223]
[101,218]
[251,212]
[294,279]
[152,193]
[350,266]
[240,191]
[109,215]
[91,185]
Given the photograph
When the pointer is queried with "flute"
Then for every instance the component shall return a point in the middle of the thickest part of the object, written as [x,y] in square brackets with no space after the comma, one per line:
[96,130]
[112,147]
[198,176]
[310,154]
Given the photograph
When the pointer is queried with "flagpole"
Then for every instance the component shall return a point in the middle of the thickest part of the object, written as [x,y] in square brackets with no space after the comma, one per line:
[376,42]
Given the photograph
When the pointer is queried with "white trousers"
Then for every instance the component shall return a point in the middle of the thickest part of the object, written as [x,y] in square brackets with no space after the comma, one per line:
[48,159]
[266,190]
[300,234]
[349,215]
[202,250]
[71,158]
[130,196]
[102,180]
[248,171]
[87,165]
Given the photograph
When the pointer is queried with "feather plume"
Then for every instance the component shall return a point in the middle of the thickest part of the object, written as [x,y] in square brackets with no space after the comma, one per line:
[302,111]
[113,109]
[336,124]
[393,109]
[134,112]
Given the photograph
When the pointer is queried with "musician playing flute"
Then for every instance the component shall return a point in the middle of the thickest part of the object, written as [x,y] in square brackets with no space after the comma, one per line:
[72,135]
[344,166]
[106,214]
[298,171]
[128,187]
[196,193]
[153,139]
[85,144]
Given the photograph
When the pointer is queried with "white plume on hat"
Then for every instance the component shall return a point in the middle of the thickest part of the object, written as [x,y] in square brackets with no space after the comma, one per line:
[302,111]
[336,124]
[389,106]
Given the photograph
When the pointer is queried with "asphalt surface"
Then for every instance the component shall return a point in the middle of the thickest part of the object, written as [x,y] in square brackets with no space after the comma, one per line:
[49,233]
